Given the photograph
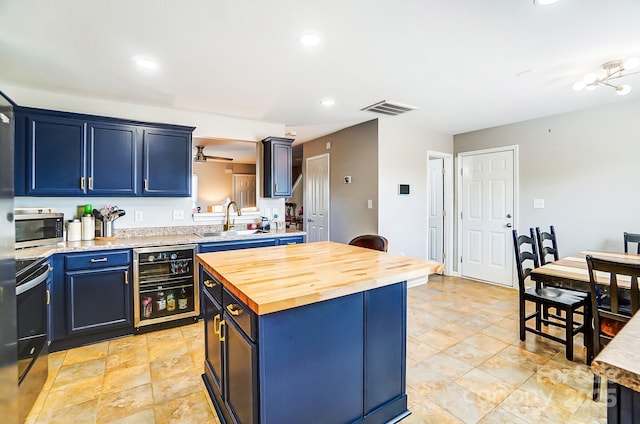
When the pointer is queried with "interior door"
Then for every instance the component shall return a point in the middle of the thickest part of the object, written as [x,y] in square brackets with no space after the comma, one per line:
[436,210]
[316,204]
[487,209]
[244,190]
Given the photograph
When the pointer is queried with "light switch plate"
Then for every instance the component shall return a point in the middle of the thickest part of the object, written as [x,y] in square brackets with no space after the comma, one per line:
[178,214]
[139,216]
[369,204]
[538,203]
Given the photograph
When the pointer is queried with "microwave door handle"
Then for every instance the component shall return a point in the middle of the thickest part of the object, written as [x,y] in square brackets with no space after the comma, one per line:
[23,288]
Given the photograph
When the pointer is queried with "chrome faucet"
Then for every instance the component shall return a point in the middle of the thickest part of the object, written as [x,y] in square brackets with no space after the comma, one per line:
[227,225]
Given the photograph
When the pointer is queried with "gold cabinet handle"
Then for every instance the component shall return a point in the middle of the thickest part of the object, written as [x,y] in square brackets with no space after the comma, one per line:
[90,183]
[234,310]
[48,297]
[81,183]
[216,325]
[210,283]
[220,332]
[92,260]
[146,184]
[126,277]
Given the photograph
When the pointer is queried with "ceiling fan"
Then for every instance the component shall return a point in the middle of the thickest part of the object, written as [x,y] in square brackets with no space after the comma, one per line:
[201,157]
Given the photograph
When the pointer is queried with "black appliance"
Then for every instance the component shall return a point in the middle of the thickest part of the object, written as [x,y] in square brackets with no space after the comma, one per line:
[38,227]
[8,329]
[31,303]
[165,286]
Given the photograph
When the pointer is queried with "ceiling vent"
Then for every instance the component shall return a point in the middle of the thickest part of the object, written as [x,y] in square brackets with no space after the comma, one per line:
[389,108]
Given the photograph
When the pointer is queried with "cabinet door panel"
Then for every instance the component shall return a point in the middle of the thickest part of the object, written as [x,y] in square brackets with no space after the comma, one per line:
[241,391]
[113,160]
[213,346]
[167,163]
[282,169]
[56,149]
[98,299]
[385,345]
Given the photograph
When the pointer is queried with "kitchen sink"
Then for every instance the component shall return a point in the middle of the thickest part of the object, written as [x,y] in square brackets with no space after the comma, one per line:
[227,233]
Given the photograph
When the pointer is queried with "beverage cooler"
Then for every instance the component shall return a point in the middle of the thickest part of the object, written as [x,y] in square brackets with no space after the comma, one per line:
[165,285]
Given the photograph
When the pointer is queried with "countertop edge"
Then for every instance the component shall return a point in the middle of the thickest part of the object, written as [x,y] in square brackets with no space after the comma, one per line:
[619,361]
[142,241]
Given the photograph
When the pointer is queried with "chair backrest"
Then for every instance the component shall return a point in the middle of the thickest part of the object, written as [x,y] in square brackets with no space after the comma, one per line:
[525,250]
[543,250]
[371,241]
[631,238]
[611,311]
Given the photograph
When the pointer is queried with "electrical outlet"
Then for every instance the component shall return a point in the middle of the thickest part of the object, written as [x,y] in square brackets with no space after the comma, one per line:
[369,204]
[178,214]
[139,216]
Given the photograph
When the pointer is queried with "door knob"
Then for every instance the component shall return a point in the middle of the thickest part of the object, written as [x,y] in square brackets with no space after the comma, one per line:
[508,225]
[508,215]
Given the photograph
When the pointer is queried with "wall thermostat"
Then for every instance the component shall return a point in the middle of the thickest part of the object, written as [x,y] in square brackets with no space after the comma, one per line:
[403,188]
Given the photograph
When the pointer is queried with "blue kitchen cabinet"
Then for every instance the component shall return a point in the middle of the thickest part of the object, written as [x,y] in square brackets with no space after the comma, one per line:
[55,153]
[290,240]
[113,160]
[277,166]
[68,154]
[166,163]
[91,298]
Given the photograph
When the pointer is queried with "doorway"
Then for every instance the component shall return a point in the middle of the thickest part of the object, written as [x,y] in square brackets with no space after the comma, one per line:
[316,203]
[487,199]
[440,209]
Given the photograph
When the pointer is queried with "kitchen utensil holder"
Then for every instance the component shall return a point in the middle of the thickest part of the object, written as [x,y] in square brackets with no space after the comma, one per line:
[107,228]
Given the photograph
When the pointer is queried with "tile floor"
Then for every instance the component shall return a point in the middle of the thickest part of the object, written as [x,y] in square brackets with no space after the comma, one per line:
[465,364]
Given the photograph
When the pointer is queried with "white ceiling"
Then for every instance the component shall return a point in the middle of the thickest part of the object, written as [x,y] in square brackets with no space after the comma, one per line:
[457,60]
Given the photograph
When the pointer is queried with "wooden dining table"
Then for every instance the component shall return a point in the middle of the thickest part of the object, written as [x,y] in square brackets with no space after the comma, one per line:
[572,273]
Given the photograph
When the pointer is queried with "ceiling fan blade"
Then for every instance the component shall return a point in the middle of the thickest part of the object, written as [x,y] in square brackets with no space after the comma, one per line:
[218,158]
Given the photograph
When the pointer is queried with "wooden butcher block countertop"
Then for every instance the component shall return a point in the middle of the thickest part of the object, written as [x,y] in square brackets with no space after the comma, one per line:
[272,279]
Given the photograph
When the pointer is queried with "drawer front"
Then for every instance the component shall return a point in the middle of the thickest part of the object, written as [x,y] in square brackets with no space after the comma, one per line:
[290,240]
[77,261]
[236,245]
[240,313]
[212,286]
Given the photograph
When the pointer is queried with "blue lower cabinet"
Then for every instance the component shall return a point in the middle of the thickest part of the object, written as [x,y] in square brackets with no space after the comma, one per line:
[336,361]
[91,298]
[290,240]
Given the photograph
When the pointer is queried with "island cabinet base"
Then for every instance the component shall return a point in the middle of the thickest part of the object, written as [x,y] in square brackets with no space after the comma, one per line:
[623,404]
[336,361]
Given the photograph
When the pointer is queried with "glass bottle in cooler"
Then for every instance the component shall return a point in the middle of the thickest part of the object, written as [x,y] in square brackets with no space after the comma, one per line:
[161,301]
[183,302]
[171,301]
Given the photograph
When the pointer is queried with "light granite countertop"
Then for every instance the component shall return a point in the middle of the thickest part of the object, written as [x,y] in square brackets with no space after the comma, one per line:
[619,361]
[141,240]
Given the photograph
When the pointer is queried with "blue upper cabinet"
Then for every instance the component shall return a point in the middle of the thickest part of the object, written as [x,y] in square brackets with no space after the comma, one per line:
[66,154]
[167,163]
[277,166]
[113,161]
[56,149]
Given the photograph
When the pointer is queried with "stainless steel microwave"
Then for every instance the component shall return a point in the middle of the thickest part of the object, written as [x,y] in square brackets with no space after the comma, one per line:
[39,228]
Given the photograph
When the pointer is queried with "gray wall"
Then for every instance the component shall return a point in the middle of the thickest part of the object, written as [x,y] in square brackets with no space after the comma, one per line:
[354,152]
[583,164]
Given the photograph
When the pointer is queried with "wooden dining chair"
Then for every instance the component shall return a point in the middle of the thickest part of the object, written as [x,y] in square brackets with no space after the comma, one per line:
[631,238]
[544,249]
[371,241]
[566,301]
[613,304]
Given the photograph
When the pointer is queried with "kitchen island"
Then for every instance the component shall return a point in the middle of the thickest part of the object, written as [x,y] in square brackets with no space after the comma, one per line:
[312,332]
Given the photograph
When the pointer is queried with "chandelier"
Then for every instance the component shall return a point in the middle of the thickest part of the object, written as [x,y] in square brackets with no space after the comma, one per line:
[610,73]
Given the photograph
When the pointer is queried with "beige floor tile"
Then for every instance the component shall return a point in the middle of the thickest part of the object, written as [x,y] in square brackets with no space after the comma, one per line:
[191,409]
[469,353]
[462,403]
[127,358]
[127,343]
[164,336]
[171,366]
[73,392]
[486,386]
[174,387]
[124,403]
[80,371]
[86,353]
[82,413]
[146,416]
[500,416]
[125,378]
[167,348]
[506,370]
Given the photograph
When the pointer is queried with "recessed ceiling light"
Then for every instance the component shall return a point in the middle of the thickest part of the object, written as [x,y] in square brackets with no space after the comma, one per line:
[328,102]
[309,39]
[146,63]
[543,2]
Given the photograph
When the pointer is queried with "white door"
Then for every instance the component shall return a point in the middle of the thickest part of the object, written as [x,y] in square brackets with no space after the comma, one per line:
[436,210]
[316,203]
[244,190]
[487,216]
